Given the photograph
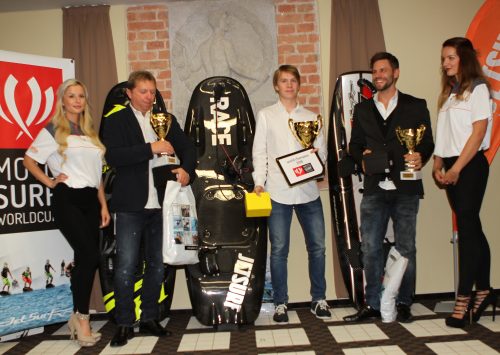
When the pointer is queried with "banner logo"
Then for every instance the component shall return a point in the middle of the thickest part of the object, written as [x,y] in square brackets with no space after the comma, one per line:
[484,32]
[27,101]
[239,282]
[221,122]
[303,169]
[299,171]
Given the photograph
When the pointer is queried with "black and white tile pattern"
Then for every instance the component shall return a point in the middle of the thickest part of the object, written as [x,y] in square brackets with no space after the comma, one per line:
[304,334]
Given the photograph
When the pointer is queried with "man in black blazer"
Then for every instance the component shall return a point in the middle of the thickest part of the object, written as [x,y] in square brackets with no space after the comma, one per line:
[386,195]
[132,149]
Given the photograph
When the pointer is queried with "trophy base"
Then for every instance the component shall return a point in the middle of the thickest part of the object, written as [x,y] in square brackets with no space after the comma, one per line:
[410,175]
[164,159]
[171,159]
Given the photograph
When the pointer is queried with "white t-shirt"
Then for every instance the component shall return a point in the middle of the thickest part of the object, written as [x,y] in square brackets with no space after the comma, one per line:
[83,164]
[273,139]
[455,119]
[149,137]
[385,113]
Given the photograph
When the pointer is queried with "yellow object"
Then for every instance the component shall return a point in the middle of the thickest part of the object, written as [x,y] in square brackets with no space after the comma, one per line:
[257,206]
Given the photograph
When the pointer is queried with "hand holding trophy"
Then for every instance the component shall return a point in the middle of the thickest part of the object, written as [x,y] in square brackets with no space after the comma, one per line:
[410,138]
[302,165]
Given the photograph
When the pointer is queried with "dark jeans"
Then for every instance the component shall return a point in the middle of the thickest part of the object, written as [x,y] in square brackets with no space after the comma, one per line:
[76,213]
[376,209]
[310,216]
[466,198]
[131,228]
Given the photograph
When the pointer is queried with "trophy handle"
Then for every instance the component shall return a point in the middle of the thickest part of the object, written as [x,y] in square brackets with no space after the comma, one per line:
[398,135]
[420,133]
[320,124]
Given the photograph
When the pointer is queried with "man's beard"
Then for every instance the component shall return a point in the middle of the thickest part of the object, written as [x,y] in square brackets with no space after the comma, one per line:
[386,85]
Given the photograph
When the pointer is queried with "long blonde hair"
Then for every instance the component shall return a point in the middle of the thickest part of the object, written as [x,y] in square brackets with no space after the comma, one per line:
[61,123]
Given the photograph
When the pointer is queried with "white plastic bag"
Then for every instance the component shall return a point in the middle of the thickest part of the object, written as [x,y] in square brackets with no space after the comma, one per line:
[180,225]
[395,268]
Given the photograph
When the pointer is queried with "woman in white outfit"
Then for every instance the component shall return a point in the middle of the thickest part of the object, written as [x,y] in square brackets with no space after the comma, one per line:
[70,147]
[463,133]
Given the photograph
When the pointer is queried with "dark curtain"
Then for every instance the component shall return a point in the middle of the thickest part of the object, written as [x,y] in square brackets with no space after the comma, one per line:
[356,34]
[87,39]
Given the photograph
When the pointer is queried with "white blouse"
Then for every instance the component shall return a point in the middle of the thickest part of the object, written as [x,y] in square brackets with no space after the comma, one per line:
[83,164]
[455,119]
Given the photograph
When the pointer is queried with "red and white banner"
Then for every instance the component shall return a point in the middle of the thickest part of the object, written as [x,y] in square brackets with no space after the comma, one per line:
[484,33]
[28,238]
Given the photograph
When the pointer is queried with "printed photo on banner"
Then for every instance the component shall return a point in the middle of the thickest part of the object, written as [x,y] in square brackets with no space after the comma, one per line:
[35,284]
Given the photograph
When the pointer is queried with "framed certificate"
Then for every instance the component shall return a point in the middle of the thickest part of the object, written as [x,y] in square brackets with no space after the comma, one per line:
[300,166]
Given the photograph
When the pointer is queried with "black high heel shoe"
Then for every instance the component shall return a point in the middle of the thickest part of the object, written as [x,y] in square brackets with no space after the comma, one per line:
[462,308]
[481,301]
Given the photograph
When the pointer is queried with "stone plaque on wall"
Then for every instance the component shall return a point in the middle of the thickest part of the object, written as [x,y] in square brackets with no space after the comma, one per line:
[234,38]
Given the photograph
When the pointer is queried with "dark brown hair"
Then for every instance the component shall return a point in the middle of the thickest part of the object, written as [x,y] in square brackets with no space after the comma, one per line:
[469,70]
[393,61]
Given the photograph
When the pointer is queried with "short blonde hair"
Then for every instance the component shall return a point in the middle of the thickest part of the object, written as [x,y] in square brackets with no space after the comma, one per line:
[287,68]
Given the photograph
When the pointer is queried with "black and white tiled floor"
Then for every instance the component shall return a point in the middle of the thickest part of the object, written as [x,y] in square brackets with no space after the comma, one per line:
[304,334]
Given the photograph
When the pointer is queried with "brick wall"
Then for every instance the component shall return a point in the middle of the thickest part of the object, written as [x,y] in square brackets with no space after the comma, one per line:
[298,44]
[297,37]
[148,45]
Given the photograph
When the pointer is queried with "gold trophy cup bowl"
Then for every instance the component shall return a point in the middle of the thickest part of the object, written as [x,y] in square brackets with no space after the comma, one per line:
[410,138]
[161,122]
[306,131]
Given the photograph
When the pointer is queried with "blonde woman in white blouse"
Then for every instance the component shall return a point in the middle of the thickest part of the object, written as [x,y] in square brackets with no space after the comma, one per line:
[70,147]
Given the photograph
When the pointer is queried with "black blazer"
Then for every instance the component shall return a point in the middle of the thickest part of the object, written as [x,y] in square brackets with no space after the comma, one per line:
[366,133]
[129,154]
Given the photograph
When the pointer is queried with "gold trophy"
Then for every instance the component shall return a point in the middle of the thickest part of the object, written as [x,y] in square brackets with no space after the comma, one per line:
[301,166]
[410,138]
[161,122]
[306,131]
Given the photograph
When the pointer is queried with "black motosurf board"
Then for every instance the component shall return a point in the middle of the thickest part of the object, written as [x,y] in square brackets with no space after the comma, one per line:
[117,100]
[226,287]
[346,180]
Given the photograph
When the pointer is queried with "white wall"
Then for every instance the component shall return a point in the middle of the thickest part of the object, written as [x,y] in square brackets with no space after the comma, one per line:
[414,31]
[35,32]
[118,18]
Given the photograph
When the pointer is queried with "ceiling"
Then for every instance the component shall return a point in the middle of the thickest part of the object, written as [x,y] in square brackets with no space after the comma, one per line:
[33,5]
